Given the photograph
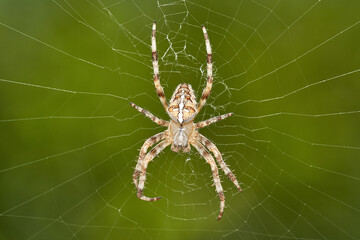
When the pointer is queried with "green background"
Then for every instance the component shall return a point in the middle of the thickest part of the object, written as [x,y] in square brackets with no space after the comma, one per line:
[289,70]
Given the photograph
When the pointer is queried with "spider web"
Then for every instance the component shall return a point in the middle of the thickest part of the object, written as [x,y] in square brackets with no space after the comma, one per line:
[288,70]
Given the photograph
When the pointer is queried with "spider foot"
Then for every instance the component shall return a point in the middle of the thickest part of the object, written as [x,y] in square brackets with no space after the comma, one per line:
[220,215]
[237,185]
[142,197]
[222,205]
[234,180]
[150,199]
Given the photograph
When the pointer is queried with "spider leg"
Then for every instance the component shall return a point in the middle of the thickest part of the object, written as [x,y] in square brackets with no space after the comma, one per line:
[212,147]
[148,143]
[210,160]
[209,81]
[150,156]
[159,89]
[212,120]
[150,115]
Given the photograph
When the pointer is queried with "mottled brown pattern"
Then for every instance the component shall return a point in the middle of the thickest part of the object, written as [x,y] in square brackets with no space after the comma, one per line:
[154,56]
[159,89]
[212,120]
[148,143]
[141,196]
[150,115]
[182,131]
[209,58]
[209,81]
[190,102]
[205,96]
[209,159]
[144,163]
[212,147]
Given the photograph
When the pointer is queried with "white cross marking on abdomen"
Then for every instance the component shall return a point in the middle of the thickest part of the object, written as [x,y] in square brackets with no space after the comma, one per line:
[181,107]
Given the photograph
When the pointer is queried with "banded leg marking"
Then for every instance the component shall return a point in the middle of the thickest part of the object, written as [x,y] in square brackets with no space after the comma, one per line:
[148,114]
[150,156]
[215,172]
[148,143]
[159,89]
[212,120]
[209,66]
[212,147]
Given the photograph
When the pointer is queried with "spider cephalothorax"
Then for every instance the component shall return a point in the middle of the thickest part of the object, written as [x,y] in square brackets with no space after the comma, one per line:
[182,131]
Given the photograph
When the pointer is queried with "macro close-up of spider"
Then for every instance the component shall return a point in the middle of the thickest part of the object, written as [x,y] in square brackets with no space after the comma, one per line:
[168,119]
[181,130]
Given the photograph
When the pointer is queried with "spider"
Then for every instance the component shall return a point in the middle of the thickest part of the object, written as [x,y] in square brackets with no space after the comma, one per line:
[182,131]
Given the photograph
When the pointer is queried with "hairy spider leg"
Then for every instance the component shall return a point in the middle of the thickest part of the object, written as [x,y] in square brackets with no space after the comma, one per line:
[150,156]
[148,114]
[159,88]
[212,147]
[215,172]
[148,143]
[212,120]
[209,81]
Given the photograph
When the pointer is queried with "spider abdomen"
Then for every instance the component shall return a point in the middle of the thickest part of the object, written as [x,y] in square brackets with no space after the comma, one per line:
[182,107]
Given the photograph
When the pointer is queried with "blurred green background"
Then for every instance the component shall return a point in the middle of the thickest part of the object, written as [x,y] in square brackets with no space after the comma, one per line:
[289,70]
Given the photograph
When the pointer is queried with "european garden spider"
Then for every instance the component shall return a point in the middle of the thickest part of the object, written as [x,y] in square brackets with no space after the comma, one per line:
[182,131]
